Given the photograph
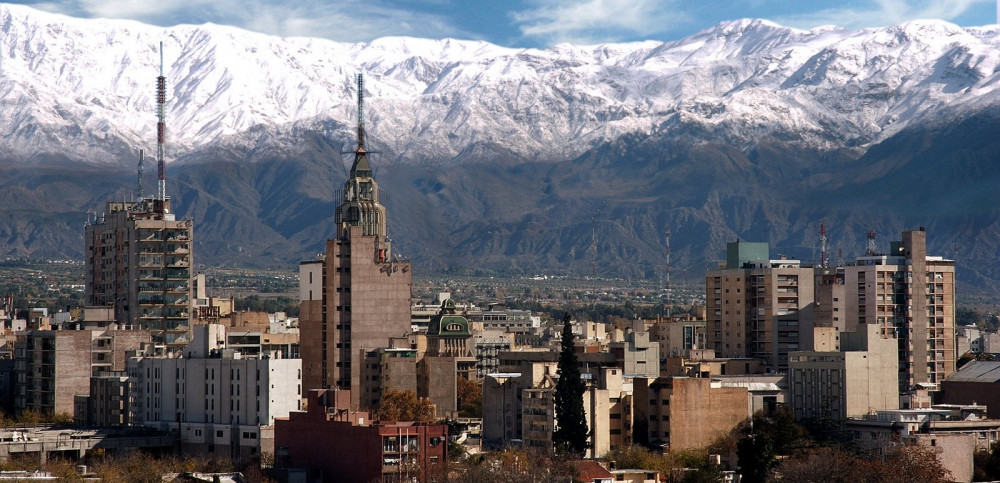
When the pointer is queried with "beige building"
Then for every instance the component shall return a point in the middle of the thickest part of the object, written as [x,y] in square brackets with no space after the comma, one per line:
[138,258]
[910,295]
[677,337]
[686,412]
[757,307]
[953,432]
[855,381]
[52,367]
[355,297]
[607,405]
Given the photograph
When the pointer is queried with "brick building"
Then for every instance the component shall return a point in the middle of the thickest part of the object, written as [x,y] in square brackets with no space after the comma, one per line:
[336,444]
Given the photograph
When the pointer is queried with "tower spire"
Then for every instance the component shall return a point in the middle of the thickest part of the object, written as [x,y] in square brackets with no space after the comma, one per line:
[161,132]
[361,112]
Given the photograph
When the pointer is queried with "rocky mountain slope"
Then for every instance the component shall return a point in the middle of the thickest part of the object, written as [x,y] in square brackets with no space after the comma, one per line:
[513,160]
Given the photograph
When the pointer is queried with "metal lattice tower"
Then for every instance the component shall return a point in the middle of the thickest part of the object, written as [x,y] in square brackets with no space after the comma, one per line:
[161,131]
[824,262]
[666,273]
[361,112]
[871,250]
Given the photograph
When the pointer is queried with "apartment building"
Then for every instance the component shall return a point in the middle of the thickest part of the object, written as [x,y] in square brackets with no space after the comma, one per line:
[223,403]
[682,413]
[51,367]
[138,258]
[910,295]
[757,307]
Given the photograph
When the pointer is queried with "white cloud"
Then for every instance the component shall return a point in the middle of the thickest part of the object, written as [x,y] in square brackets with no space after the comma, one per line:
[347,21]
[881,13]
[590,21]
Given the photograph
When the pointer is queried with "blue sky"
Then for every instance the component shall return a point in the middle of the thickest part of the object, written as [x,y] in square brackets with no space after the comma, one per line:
[520,23]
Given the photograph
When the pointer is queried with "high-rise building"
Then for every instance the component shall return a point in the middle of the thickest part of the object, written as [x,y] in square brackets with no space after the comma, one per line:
[138,255]
[911,296]
[758,307]
[357,295]
[138,261]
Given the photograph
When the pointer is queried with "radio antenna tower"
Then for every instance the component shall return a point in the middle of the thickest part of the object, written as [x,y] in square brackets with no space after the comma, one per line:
[161,133]
[871,250]
[823,262]
[361,112]
[666,271]
[141,156]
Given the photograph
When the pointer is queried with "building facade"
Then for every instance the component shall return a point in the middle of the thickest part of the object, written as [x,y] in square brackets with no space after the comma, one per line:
[910,296]
[855,381]
[357,296]
[757,307]
[138,258]
[51,367]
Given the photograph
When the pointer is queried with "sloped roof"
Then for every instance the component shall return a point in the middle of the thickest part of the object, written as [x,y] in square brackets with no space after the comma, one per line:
[977,371]
[590,470]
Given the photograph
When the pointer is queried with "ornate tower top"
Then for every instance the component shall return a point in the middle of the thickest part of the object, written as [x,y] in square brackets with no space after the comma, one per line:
[360,206]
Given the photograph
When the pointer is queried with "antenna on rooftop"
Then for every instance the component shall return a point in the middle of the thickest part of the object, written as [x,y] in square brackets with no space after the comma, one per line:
[361,112]
[142,154]
[161,128]
[823,262]
[871,250]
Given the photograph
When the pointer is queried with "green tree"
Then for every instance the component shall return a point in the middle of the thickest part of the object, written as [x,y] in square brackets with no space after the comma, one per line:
[756,458]
[570,436]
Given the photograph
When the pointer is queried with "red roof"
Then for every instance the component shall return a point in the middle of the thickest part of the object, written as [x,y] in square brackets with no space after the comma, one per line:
[590,470]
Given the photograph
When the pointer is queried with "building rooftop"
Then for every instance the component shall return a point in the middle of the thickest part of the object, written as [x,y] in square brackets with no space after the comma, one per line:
[977,371]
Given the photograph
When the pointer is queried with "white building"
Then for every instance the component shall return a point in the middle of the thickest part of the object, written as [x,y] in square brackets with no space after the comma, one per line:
[222,402]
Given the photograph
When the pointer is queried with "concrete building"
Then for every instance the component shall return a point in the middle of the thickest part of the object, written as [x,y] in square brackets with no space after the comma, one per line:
[677,337]
[357,295]
[333,443]
[607,404]
[387,368]
[138,258]
[52,367]
[954,432]
[855,381]
[757,307]
[910,295]
[682,413]
[222,403]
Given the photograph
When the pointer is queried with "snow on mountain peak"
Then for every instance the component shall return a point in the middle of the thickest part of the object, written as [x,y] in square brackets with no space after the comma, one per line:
[84,88]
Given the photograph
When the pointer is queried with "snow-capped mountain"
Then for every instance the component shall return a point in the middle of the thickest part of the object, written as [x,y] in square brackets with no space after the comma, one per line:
[84,89]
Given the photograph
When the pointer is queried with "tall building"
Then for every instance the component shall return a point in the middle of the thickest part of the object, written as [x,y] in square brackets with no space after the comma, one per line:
[138,255]
[138,261]
[911,296]
[758,307]
[357,295]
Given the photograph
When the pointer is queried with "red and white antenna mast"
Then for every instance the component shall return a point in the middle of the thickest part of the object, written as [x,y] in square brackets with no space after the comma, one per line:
[823,262]
[161,132]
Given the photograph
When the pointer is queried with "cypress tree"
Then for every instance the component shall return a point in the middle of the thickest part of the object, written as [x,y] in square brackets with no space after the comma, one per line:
[570,436]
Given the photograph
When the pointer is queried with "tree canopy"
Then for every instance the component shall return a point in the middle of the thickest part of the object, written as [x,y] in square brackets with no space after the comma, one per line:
[570,436]
[404,406]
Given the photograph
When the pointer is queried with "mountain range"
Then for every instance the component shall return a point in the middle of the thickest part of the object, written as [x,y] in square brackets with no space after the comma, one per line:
[571,159]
